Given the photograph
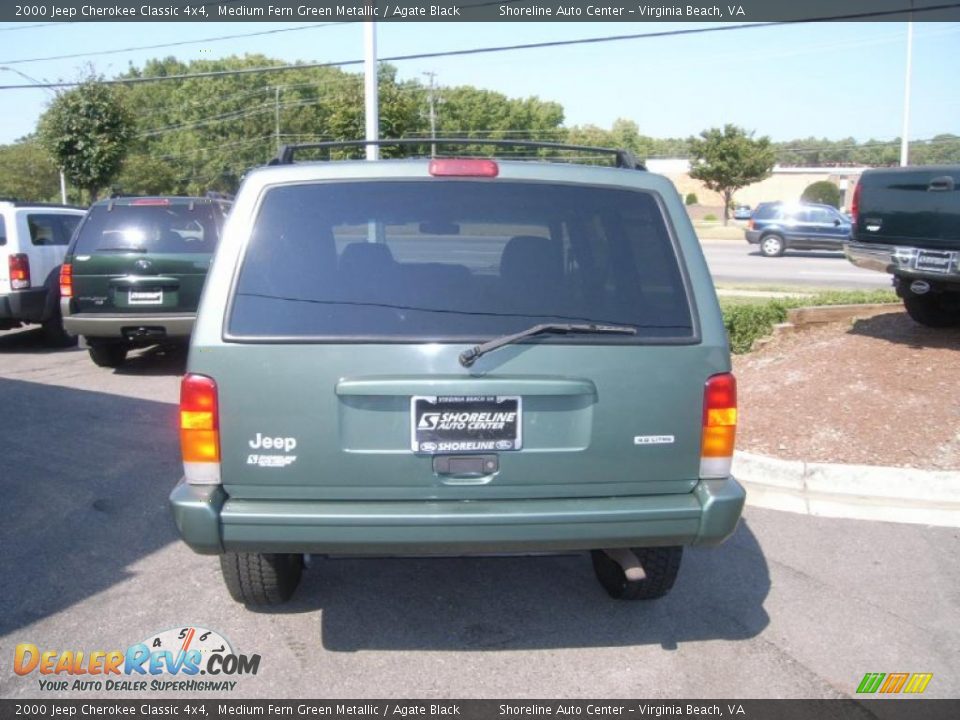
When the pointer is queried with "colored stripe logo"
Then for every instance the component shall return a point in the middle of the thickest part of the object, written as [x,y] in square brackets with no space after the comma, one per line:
[889,683]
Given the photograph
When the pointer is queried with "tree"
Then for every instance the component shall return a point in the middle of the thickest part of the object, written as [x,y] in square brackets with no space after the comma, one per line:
[822,191]
[28,173]
[87,130]
[729,159]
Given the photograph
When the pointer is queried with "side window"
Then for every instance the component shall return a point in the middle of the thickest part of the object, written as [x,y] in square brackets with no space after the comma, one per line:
[45,230]
[821,216]
[68,224]
[3,231]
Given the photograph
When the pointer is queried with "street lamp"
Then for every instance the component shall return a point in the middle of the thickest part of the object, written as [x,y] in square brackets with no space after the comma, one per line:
[63,179]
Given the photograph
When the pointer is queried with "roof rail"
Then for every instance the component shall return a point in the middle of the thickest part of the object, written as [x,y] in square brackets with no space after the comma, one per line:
[623,158]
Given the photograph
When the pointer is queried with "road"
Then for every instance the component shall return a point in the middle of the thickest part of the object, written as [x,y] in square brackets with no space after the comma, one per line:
[738,262]
[791,606]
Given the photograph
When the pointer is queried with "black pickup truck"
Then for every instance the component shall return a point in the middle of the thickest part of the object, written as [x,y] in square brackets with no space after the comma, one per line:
[906,221]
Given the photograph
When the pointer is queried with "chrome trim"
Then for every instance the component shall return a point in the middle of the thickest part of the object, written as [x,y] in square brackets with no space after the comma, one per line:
[896,259]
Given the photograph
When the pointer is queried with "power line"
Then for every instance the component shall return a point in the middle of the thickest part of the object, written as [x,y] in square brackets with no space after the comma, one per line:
[494,49]
[312,26]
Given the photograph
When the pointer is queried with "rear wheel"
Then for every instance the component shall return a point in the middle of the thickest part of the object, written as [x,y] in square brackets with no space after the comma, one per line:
[261,578]
[933,309]
[772,246]
[108,354]
[661,565]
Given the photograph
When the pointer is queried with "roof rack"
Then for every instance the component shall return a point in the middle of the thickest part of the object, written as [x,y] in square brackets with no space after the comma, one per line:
[623,158]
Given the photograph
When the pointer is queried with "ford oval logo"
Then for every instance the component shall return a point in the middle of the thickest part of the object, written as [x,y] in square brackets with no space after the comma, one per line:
[504,445]
[428,447]
[143,264]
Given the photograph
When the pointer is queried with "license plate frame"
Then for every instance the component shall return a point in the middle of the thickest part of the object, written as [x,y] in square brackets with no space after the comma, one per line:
[935,261]
[145,297]
[434,429]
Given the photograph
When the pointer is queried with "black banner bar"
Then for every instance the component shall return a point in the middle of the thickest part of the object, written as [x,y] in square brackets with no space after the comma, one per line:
[872,709]
[628,11]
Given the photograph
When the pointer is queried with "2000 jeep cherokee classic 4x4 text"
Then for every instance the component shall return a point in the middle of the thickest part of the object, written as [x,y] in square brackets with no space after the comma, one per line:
[456,355]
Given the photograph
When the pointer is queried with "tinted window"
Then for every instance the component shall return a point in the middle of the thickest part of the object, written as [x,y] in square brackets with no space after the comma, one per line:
[822,215]
[3,231]
[766,211]
[174,228]
[45,229]
[456,259]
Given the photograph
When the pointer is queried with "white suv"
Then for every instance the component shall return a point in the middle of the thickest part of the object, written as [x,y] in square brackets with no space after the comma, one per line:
[33,241]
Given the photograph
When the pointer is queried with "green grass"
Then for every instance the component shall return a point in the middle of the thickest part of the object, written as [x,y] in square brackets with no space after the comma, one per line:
[748,319]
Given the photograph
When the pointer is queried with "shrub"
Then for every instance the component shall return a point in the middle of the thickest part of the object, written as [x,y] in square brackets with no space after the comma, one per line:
[710,217]
[747,321]
[822,191]
[691,199]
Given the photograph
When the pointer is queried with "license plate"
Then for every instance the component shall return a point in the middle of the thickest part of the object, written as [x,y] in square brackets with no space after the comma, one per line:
[935,261]
[465,424]
[146,297]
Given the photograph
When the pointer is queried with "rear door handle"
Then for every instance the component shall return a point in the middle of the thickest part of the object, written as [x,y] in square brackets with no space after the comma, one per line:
[942,184]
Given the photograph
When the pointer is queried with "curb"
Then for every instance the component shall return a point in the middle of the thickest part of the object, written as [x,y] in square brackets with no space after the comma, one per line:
[861,492]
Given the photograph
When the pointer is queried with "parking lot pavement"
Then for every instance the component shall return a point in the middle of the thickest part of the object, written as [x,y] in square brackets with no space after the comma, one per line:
[791,606]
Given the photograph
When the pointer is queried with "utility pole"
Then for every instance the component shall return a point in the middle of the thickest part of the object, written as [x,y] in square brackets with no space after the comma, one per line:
[904,141]
[431,98]
[371,103]
[276,117]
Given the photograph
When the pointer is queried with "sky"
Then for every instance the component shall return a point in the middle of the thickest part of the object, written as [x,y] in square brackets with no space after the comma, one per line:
[832,80]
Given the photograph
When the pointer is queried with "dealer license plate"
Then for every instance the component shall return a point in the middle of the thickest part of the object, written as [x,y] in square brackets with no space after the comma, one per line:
[465,424]
[146,297]
[935,261]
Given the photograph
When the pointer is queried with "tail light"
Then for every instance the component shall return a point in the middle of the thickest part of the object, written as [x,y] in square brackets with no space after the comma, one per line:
[719,426]
[464,167]
[19,271]
[66,280]
[855,204]
[199,430]
[751,225]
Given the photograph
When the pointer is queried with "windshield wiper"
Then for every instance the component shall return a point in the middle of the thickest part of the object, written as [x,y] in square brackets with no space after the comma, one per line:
[468,357]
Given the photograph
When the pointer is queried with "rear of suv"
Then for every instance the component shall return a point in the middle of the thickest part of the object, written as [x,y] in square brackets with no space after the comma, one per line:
[33,241]
[456,356]
[778,227]
[133,273]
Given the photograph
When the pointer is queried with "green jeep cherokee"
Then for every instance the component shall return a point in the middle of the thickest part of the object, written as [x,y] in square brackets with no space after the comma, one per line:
[134,271]
[456,356]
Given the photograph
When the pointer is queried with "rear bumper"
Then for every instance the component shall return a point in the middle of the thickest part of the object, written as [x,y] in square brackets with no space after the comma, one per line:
[898,260]
[753,236]
[210,523]
[156,326]
[24,305]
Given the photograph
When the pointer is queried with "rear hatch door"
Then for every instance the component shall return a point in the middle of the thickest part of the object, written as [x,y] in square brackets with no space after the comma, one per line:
[340,374]
[145,255]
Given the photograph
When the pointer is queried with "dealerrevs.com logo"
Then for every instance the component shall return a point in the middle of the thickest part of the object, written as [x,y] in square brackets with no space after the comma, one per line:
[172,660]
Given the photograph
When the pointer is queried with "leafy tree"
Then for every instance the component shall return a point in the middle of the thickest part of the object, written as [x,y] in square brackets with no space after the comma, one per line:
[822,191]
[28,173]
[691,199]
[729,159]
[87,130]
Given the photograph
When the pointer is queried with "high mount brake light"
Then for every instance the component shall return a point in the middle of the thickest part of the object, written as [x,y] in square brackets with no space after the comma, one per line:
[150,201]
[200,430]
[66,280]
[463,167]
[719,426]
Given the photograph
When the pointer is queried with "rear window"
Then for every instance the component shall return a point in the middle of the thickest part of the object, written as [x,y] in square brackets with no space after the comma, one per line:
[456,260]
[767,211]
[177,228]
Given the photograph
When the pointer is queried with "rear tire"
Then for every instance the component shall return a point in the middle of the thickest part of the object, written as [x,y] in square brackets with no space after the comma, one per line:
[661,565]
[772,246]
[109,355]
[933,309]
[54,335]
[261,578]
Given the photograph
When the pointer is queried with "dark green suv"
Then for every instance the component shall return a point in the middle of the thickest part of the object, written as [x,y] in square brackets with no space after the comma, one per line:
[134,271]
[457,355]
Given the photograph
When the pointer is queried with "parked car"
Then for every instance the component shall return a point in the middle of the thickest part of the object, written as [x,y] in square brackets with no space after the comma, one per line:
[907,223]
[778,227]
[33,241]
[134,271]
[456,355]
[741,212]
